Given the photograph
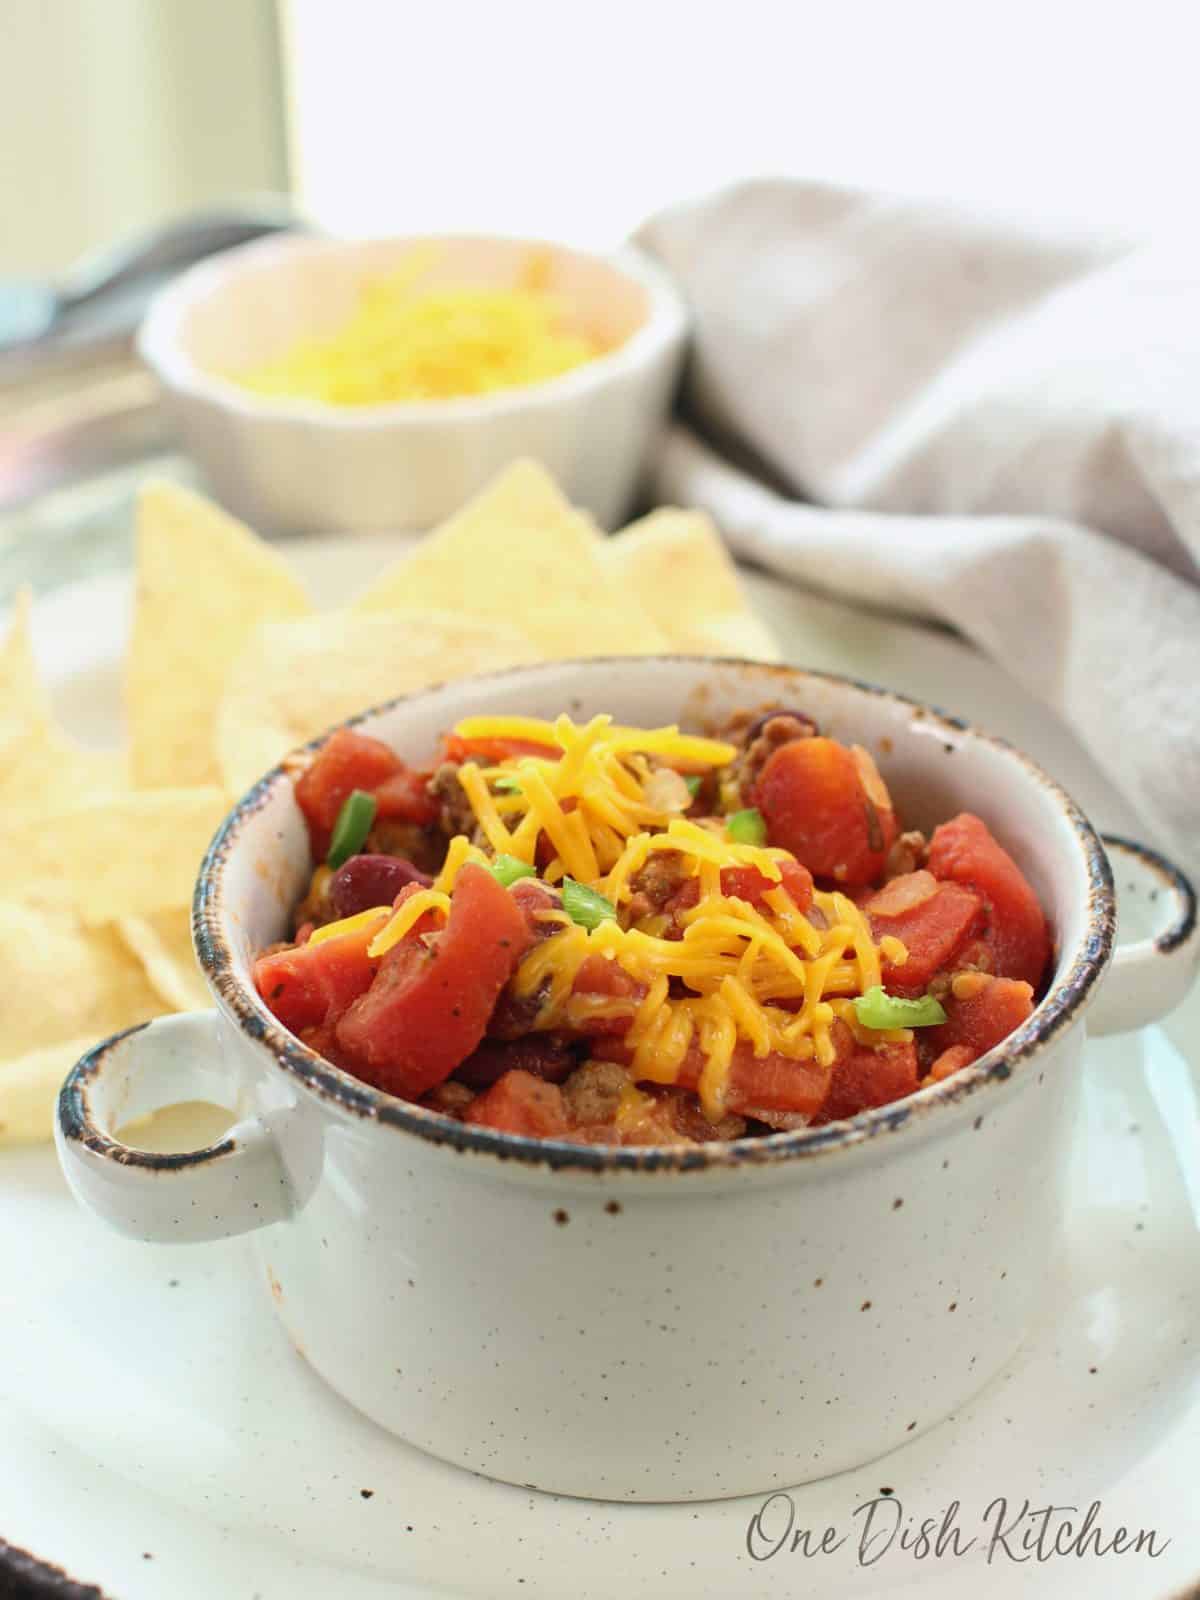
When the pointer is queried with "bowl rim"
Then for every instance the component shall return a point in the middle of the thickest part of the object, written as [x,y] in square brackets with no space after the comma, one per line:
[159,337]
[1058,1010]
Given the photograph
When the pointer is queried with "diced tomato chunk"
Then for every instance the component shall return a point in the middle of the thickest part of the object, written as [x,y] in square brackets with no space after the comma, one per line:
[494,751]
[429,1005]
[748,883]
[597,975]
[346,761]
[428,922]
[934,929]
[772,1082]
[534,898]
[741,883]
[405,797]
[863,1076]
[964,851]
[308,985]
[827,805]
[951,1060]
[602,981]
[985,1017]
[520,1103]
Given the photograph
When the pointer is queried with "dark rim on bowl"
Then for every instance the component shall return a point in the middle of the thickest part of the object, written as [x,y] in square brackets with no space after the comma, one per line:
[1057,1011]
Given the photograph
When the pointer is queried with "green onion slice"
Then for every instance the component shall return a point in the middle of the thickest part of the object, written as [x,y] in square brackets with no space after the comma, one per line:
[351,828]
[877,1009]
[693,782]
[747,827]
[506,784]
[507,869]
[585,906]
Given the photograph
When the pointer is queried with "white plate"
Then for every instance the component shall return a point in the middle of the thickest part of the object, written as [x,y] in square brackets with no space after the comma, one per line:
[162,1437]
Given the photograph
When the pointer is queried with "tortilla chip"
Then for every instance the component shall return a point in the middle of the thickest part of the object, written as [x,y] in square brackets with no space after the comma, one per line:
[204,582]
[294,679]
[62,980]
[24,702]
[676,563]
[162,942]
[36,757]
[118,855]
[29,1087]
[65,987]
[520,554]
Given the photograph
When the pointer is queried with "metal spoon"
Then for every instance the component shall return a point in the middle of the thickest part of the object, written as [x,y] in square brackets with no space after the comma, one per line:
[31,310]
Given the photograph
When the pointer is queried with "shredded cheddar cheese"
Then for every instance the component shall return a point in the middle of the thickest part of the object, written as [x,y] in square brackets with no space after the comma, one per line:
[766,975]
[402,343]
[411,912]
[361,920]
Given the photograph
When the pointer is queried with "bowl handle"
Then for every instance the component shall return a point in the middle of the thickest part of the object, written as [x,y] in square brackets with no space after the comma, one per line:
[229,1187]
[1151,973]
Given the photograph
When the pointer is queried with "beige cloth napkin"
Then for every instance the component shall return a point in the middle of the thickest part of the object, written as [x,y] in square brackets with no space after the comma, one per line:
[965,420]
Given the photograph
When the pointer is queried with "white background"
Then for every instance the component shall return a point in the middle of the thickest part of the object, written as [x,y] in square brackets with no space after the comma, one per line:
[575,120]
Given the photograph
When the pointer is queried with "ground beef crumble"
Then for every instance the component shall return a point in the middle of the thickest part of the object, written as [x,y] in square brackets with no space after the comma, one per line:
[758,734]
[658,882]
[593,1091]
[456,815]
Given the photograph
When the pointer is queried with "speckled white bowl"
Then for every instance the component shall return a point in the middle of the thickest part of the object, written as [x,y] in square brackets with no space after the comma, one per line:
[691,1321]
[298,466]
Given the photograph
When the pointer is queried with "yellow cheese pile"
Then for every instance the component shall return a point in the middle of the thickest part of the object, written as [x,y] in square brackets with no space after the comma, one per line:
[402,345]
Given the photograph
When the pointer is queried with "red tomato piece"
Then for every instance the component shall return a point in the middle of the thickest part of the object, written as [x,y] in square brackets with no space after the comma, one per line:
[964,851]
[429,1005]
[771,1083]
[742,883]
[604,981]
[533,896]
[346,761]
[599,976]
[827,805]
[934,928]
[951,1061]
[494,751]
[312,984]
[405,797]
[983,1019]
[520,1103]
[429,922]
[748,883]
[863,1077]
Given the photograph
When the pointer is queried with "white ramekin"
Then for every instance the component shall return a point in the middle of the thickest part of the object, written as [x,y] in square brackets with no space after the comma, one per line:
[639,1324]
[298,466]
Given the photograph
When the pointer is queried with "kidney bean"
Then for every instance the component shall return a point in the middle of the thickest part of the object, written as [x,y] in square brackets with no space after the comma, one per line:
[801,725]
[540,1053]
[366,881]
